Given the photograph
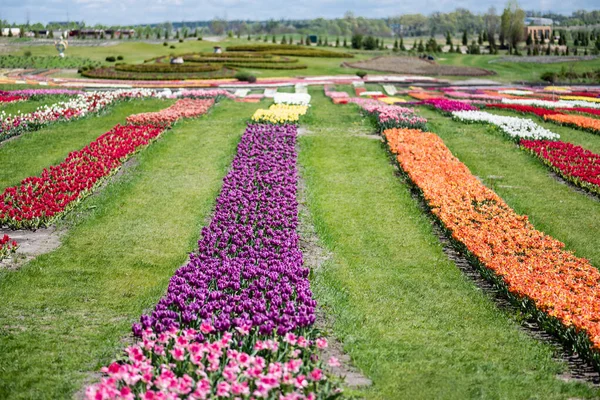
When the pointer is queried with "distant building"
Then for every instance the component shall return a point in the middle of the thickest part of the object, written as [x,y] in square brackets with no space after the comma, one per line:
[538,21]
[538,32]
[15,31]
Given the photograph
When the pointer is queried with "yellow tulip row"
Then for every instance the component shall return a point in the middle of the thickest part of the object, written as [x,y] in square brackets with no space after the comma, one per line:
[280,114]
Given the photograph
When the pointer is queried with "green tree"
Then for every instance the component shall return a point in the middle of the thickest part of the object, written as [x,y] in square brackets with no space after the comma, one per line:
[465,38]
[357,41]
[513,25]
[448,38]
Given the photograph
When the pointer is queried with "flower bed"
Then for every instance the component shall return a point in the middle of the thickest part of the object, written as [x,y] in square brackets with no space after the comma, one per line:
[574,163]
[388,116]
[552,104]
[336,97]
[39,200]
[582,110]
[516,92]
[4,99]
[280,114]
[35,93]
[237,320]
[197,94]
[299,99]
[82,105]
[514,127]
[185,108]
[539,111]
[578,121]
[7,246]
[422,95]
[447,105]
[581,98]
[560,289]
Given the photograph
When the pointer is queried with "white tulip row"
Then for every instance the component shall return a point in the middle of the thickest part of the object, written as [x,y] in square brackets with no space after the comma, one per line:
[300,99]
[516,92]
[519,128]
[552,104]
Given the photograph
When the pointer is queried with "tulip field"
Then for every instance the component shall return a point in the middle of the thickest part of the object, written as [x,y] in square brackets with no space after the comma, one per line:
[210,247]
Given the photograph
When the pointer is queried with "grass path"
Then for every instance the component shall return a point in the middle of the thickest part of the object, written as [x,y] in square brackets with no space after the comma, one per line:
[525,183]
[64,315]
[406,315]
[28,154]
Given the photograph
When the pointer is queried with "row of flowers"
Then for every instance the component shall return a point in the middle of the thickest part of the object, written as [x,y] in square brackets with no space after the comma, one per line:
[574,163]
[447,106]
[9,98]
[514,127]
[37,93]
[37,201]
[237,320]
[335,96]
[7,246]
[390,116]
[561,289]
[552,104]
[216,94]
[80,106]
[578,121]
[184,108]
[299,99]
[581,98]
[280,114]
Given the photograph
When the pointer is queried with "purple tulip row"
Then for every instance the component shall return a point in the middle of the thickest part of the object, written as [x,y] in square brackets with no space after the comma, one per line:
[248,271]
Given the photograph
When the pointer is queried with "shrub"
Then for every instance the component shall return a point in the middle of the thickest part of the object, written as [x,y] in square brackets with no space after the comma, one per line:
[172,46]
[200,38]
[370,43]
[120,58]
[244,76]
[180,40]
[361,74]
[357,41]
[111,59]
[165,44]
[27,53]
[548,77]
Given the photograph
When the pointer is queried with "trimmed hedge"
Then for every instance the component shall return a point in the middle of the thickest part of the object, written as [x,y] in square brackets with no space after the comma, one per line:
[278,60]
[167,68]
[262,47]
[267,66]
[112,73]
[289,50]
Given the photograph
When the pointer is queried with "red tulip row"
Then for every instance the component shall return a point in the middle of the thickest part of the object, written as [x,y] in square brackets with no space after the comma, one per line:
[39,200]
[185,108]
[539,111]
[7,246]
[574,163]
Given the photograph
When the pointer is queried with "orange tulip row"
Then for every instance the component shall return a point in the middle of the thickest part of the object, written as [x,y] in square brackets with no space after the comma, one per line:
[579,121]
[532,265]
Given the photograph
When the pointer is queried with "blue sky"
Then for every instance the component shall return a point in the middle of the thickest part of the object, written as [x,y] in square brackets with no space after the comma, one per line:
[138,11]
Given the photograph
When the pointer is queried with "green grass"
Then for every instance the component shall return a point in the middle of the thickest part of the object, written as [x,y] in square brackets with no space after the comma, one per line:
[406,315]
[65,314]
[28,154]
[514,72]
[525,183]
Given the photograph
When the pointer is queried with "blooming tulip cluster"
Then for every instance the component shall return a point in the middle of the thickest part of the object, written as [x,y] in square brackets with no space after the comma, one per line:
[336,97]
[516,92]
[196,94]
[388,116]
[534,267]
[82,105]
[280,114]
[574,163]
[39,200]
[579,121]
[552,104]
[7,246]
[582,110]
[447,105]
[176,365]
[423,95]
[299,99]
[539,111]
[4,99]
[185,108]
[33,93]
[581,98]
[513,127]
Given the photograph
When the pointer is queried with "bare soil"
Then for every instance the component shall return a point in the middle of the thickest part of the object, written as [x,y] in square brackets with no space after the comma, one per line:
[416,66]
[31,244]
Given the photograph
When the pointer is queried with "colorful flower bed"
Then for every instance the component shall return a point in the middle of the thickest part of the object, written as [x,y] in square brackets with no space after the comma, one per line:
[336,97]
[581,98]
[582,110]
[388,116]
[237,320]
[35,93]
[184,108]
[300,99]
[447,105]
[8,98]
[574,163]
[514,127]
[578,121]
[539,111]
[552,104]
[197,94]
[280,114]
[82,105]
[7,246]
[516,92]
[39,200]
[561,289]
[422,95]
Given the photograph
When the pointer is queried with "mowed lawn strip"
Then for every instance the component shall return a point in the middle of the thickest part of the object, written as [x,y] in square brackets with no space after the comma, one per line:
[28,154]
[525,183]
[406,315]
[64,315]
[27,106]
